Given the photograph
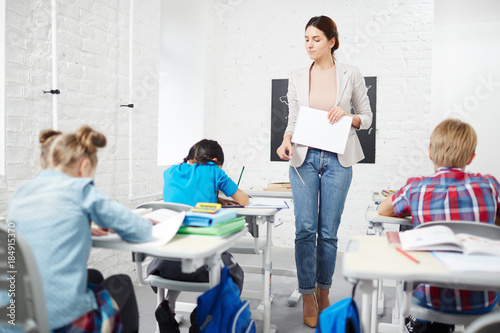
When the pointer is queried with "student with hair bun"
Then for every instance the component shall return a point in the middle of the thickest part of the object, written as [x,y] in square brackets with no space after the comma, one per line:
[54,212]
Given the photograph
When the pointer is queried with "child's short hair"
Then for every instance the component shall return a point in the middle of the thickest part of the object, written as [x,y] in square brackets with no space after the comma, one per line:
[205,151]
[65,149]
[452,143]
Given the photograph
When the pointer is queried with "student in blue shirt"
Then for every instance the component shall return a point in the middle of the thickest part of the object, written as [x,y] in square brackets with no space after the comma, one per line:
[54,212]
[200,177]
[195,180]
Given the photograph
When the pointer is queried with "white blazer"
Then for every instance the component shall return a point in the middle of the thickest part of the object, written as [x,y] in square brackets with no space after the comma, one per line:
[351,90]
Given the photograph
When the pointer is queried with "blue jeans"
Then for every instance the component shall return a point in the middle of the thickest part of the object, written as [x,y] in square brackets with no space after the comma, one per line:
[318,206]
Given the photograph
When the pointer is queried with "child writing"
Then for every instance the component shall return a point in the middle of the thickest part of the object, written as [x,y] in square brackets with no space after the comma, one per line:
[450,194]
[54,212]
[200,177]
[195,180]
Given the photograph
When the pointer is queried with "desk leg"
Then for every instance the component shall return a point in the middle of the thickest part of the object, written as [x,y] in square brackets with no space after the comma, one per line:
[374,311]
[266,278]
[214,265]
[367,290]
[404,291]
[378,303]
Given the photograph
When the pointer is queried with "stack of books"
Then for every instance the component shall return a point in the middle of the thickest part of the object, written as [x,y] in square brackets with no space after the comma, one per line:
[220,223]
[279,187]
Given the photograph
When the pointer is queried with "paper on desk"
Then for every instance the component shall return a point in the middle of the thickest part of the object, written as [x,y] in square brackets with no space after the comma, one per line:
[459,262]
[313,129]
[162,232]
[267,203]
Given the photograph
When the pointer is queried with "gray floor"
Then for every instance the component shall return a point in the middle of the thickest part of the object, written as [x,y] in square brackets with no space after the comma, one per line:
[288,319]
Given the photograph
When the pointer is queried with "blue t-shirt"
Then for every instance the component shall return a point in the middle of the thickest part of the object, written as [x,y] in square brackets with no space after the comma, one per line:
[192,183]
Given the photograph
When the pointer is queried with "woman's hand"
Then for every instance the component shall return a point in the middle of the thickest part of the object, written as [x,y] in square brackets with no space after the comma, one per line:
[337,112]
[285,151]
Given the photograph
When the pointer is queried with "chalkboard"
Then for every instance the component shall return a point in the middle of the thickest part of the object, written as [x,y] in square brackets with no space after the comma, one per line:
[279,118]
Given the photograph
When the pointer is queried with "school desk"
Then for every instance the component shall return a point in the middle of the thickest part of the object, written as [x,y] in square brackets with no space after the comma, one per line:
[256,217]
[376,223]
[369,258]
[193,251]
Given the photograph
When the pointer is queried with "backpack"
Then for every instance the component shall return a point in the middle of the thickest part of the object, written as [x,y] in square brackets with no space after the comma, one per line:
[340,317]
[220,309]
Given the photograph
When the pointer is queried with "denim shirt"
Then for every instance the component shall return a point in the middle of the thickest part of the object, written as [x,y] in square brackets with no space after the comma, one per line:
[53,212]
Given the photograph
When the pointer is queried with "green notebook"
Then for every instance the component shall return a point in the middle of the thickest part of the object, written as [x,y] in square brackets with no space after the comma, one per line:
[220,229]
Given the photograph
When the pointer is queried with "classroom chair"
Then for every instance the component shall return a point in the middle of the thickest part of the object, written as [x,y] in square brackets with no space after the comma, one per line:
[488,323]
[474,228]
[30,312]
[163,284]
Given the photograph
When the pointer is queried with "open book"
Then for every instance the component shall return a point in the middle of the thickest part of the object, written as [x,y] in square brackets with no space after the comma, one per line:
[168,223]
[441,238]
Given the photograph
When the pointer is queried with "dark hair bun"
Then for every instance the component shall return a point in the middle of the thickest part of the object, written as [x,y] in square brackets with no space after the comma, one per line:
[328,26]
[47,135]
[90,139]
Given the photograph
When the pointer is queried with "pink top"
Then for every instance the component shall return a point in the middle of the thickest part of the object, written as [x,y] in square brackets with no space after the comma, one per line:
[323,88]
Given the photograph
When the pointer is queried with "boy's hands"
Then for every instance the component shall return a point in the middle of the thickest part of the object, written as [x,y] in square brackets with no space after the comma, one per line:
[227,202]
[385,207]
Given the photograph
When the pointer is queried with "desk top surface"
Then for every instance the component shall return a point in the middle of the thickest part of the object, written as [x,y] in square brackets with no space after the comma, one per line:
[256,211]
[370,257]
[180,247]
[373,216]
[259,192]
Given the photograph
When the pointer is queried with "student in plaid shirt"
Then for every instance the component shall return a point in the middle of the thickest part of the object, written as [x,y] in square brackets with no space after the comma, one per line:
[450,194]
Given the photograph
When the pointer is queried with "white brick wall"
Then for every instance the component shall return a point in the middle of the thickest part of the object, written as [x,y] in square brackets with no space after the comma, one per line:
[249,44]
[93,79]
[258,41]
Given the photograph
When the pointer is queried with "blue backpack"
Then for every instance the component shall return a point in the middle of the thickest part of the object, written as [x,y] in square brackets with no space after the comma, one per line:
[220,309]
[341,317]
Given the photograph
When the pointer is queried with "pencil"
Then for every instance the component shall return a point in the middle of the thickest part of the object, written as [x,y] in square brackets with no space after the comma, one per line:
[297,171]
[241,174]
[407,255]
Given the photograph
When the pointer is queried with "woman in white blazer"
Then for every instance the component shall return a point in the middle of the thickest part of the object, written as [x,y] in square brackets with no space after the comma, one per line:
[320,179]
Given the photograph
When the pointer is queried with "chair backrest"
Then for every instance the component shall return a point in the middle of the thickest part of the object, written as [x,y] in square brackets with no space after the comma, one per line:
[168,205]
[488,323]
[19,276]
[469,227]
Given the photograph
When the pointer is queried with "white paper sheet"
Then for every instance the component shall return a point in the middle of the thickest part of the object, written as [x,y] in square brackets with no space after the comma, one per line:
[459,262]
[313,129]
[267,203]
[162,232]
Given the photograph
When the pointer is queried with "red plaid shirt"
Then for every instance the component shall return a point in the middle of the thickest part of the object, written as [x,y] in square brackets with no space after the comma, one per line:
[451,195]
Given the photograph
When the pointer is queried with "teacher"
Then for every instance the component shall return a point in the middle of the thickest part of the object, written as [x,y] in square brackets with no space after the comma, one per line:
[320,179]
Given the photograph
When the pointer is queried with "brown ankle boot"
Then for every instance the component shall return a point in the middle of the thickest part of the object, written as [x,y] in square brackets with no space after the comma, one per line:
[323,300]
[309,320]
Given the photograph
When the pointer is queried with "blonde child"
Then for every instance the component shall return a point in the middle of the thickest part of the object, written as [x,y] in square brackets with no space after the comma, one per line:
[54,212]
[450,194]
